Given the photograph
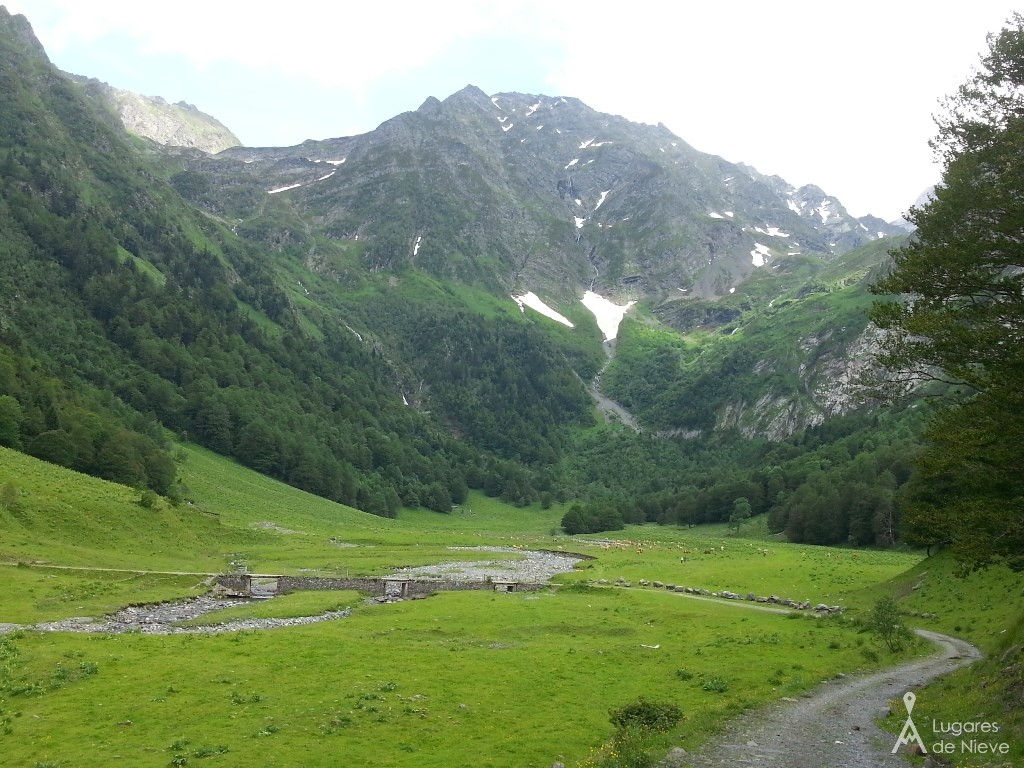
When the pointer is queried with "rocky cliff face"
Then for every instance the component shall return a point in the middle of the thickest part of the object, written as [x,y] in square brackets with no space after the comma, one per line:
[830,385]
[17,29]
[172,125]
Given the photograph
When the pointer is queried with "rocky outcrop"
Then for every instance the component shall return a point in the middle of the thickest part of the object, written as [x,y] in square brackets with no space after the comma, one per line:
[831,383]
[172,125]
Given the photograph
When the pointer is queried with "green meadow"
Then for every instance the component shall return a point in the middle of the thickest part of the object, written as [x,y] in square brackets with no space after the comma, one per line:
[457,679]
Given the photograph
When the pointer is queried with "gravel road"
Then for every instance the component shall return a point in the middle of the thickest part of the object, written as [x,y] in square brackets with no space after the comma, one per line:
[834,727]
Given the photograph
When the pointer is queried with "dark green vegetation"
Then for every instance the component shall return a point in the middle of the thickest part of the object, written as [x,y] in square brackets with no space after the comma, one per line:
[148,300]
[964,273]
[129,312]
[836,483]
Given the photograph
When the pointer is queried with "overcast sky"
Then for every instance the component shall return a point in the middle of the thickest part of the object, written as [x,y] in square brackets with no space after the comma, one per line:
[835,94]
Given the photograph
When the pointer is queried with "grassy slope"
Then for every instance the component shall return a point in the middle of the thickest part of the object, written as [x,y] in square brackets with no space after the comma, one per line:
[438,682]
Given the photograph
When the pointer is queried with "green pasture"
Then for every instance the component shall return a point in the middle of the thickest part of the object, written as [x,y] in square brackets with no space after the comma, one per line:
[55,515]
[474,678]
[471,678]
[694,559]
[30,595]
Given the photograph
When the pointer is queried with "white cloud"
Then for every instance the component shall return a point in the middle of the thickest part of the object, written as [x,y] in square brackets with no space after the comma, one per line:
[346,45]
[860,86]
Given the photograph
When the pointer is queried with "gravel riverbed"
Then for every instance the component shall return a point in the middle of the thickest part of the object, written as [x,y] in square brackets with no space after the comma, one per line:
[162,619]
[535,567]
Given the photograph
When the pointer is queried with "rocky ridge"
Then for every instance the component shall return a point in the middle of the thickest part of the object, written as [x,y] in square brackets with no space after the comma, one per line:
[560,198]
[151,117]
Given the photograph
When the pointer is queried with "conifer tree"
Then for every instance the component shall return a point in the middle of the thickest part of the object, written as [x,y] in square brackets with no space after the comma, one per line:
[960,317]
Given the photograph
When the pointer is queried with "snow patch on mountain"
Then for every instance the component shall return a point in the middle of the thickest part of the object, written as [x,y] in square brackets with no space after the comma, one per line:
[534,302]
[607,313]
[283,189]
[759,254]
[772,232]
[824,212]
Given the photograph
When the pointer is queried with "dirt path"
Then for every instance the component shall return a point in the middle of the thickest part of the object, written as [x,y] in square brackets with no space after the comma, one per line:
[108,570]
[835,727]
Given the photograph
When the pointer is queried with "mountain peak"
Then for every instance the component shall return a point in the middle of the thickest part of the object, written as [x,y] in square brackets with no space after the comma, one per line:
[430,106]
[469,95]
[18,29]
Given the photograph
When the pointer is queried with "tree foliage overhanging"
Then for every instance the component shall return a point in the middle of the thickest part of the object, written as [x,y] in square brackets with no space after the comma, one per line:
[961,319]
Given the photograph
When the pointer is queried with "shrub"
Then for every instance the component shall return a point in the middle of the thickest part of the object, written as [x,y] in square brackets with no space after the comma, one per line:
[630,748]
[716,685]
[885,621]
[648,715]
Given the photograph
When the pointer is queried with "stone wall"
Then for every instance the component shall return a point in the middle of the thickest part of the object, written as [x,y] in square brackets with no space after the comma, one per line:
[417,587]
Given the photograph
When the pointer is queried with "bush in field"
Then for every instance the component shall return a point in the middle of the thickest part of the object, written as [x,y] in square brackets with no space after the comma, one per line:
[885,621]
[716,685]
[592,518]
[648,715]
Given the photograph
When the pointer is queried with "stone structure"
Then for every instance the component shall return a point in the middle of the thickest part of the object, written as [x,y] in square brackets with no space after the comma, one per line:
[391,587]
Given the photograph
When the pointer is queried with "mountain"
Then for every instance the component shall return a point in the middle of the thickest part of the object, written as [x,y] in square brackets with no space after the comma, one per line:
[127,314]
[521,192]
[172,125]
[544,195]
[358,316]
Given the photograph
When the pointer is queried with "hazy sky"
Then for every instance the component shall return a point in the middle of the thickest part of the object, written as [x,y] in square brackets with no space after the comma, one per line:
[836,94]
